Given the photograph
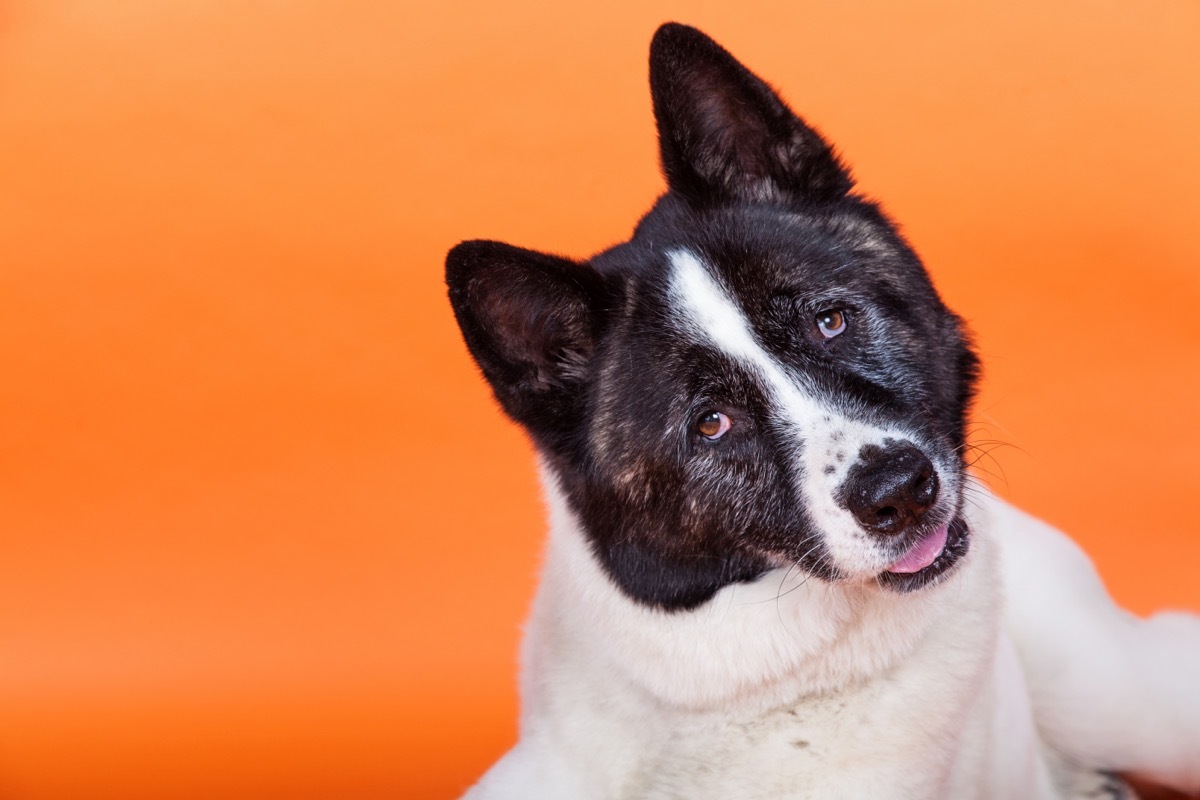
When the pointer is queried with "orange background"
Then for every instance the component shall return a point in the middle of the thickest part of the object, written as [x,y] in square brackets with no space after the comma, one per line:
[263,533]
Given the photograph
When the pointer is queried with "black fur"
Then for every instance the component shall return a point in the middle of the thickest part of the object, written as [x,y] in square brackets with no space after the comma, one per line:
[528,320]
[590,360]
[725,135]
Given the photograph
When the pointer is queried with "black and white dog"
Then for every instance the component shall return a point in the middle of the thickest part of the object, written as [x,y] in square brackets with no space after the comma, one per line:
[768,572]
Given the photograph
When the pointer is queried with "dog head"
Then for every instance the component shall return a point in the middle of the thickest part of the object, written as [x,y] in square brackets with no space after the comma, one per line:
[763,376]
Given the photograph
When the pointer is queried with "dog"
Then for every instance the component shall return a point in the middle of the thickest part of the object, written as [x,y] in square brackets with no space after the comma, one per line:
[769,573]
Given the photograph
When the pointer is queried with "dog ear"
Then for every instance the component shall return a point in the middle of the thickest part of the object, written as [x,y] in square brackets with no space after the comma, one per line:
[724,134]
[529,321]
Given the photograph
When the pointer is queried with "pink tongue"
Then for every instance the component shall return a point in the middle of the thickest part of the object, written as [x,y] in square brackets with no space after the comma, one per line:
[923,553]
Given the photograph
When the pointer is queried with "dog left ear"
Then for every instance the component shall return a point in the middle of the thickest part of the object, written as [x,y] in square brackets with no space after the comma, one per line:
[724,134]
[529,321]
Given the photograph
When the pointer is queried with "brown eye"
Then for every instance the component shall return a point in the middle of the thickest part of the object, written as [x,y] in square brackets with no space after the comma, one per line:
[713,425]
[831,322]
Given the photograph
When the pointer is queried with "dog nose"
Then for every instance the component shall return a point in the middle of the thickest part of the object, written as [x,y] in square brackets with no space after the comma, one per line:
[890,488]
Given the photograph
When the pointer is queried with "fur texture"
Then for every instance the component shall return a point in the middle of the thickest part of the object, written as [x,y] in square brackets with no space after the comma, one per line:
[768,573]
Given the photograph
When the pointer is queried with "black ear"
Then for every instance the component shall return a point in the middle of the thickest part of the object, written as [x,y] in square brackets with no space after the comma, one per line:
[724,134]
[530,321]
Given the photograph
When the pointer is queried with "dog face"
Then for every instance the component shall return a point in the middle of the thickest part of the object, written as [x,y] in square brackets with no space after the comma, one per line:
[763,376]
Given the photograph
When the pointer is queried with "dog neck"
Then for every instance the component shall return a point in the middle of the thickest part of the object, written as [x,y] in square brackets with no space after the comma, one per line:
[765,643]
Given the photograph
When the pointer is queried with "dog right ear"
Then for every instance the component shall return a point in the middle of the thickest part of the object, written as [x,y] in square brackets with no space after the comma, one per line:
[530,322]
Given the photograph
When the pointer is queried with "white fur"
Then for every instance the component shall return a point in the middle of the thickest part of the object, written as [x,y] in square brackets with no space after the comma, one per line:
[1109,688]
[792,688]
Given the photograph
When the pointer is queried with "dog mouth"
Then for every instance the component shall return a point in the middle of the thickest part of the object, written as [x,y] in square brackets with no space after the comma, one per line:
[931,555]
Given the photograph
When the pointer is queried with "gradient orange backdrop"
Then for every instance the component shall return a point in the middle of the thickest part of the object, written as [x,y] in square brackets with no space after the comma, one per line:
[263,533]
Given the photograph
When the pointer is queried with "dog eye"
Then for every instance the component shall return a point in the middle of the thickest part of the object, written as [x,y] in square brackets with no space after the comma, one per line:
[831,322]
[712,425]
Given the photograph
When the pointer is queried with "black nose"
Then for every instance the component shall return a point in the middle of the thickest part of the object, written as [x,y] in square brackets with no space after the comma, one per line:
[890,488]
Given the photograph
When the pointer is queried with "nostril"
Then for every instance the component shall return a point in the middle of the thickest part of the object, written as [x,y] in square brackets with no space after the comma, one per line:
[886,519]
[924,490]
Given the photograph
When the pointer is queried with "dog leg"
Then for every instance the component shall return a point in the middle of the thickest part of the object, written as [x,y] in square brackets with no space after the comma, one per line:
[1110,690]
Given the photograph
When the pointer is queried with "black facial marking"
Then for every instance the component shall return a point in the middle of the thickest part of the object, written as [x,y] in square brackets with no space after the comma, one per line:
[593,360]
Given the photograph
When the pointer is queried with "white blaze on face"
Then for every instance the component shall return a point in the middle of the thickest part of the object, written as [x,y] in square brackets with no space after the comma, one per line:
[826,442]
